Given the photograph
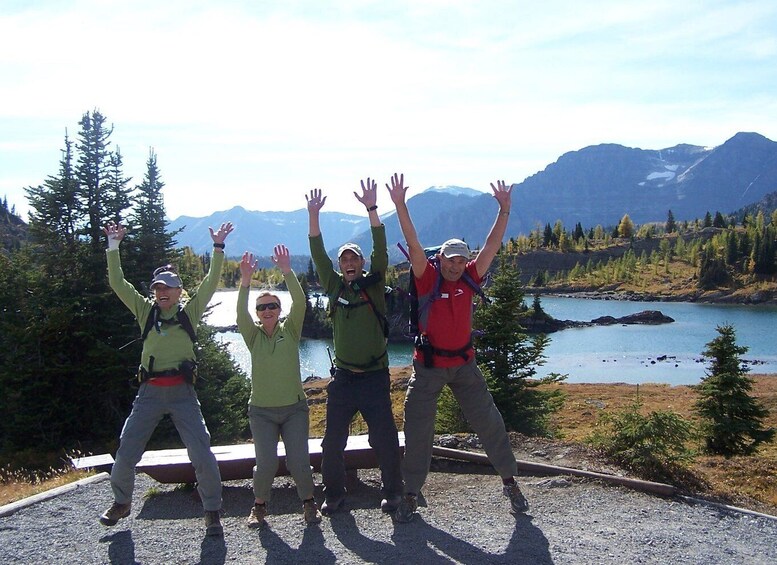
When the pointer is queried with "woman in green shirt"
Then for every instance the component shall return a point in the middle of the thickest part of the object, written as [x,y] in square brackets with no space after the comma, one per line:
[278,406]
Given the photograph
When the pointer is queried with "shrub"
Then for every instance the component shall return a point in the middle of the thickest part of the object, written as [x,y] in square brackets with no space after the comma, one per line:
[653,446]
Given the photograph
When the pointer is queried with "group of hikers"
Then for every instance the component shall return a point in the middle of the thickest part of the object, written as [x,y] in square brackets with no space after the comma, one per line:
[446,284]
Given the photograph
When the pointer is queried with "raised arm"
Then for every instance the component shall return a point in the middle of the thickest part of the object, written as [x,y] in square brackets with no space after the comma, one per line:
[503,195]
[397,191]
[315,203]
[369,199]
[282,259]
[245,323]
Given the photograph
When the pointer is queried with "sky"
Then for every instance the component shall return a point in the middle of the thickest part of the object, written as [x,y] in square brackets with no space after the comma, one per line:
[254,103]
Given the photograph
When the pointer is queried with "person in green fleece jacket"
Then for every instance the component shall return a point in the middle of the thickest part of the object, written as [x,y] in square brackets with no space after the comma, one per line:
[278,406]
[361,381]
[165,386]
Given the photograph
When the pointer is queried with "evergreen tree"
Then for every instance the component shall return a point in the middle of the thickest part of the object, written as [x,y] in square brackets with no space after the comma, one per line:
[712,271]
[670,225]
[509,358]
[733,418]
[719,221]
[149,245]
[707,223]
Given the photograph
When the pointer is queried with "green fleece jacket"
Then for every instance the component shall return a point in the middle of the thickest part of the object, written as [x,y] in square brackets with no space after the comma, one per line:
[275,373]
[172,345]
[358,333]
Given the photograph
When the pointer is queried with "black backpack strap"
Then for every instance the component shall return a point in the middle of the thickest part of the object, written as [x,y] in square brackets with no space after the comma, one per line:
[186,324]
[153,321]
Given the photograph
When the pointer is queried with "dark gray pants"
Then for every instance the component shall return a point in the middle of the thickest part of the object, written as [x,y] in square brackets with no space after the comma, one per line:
[369,394]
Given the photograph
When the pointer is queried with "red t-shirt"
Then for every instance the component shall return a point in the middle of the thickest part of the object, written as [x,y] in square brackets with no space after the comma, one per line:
[449,325]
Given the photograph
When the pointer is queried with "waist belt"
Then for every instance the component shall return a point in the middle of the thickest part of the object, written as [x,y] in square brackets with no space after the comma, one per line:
[167,380]
[423,345]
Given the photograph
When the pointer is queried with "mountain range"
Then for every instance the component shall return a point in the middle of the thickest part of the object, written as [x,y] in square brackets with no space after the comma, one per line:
[593,185]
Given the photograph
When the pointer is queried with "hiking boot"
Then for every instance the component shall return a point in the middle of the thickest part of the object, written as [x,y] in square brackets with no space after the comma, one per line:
[390,504]
[256,517]
[518,502]
[115,513]
[310,512]
[406,510]
[213,523]
[332,505]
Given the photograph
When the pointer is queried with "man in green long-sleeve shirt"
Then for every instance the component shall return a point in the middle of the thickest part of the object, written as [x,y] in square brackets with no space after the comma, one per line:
[361,381]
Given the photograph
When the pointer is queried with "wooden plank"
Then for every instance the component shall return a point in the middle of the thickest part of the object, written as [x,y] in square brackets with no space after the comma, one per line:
[101,462]
[237,461]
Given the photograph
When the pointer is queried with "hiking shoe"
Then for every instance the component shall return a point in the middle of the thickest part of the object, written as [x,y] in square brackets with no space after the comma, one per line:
[518,502]
[213,523]
[390,504]
[256,517]
[115,513]
[310,512]
[332,505]
[406,510]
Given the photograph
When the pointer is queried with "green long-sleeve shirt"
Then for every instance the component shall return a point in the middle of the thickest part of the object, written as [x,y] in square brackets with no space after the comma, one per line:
[357,332]
[275,373]
[172,345]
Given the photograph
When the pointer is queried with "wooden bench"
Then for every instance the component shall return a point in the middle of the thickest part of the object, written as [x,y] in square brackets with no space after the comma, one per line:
[235,461]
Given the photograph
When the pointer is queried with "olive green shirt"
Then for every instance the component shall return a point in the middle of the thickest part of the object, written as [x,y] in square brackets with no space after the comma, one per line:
[275,372]
[357,332]
[171,346]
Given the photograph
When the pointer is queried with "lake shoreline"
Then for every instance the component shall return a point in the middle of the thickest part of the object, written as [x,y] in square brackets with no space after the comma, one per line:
[738,296]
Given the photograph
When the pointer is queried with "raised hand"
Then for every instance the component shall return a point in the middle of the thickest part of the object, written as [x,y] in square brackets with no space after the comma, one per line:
[220,235]
[397,190]
[502,193]
[115,233]
[247,268]
[282,258]
[369,194]
[315,200]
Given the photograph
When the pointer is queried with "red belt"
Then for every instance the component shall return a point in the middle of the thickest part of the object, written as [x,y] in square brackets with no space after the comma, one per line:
[169,380]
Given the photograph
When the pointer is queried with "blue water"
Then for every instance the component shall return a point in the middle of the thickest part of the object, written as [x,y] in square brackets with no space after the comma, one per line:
[630,353]
[598,354]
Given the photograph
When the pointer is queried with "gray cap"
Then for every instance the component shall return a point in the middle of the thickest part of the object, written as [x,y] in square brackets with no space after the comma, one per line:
[454,248]
[168,278]
[350,247]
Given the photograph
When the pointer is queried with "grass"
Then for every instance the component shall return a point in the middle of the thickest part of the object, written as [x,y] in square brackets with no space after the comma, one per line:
[750,482]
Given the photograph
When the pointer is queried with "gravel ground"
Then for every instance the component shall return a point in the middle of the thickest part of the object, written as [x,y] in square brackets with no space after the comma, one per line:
[463,519]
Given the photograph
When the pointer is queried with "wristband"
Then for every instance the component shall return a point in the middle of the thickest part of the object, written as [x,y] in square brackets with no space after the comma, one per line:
[504,213]
[113,243]
[373,207]
[219,245]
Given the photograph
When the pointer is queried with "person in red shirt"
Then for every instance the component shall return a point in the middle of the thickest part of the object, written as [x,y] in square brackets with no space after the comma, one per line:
[445,356]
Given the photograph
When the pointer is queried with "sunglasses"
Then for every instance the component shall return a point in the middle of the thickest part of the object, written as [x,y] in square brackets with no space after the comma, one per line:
[269,306]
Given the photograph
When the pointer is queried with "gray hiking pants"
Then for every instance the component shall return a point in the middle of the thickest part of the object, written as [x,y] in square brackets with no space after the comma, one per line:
[150,405]
[469,387]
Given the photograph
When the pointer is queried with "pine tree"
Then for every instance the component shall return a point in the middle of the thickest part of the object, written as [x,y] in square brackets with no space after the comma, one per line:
[149,245]
[509,358]
[733,418]
[670,225]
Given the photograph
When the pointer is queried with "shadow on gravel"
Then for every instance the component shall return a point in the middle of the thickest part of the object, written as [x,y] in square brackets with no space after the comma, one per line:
[122,548]
[213,550]
[311,550]
[425,543]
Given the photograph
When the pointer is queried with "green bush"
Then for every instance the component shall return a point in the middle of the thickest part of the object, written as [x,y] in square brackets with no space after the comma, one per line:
[653,446]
